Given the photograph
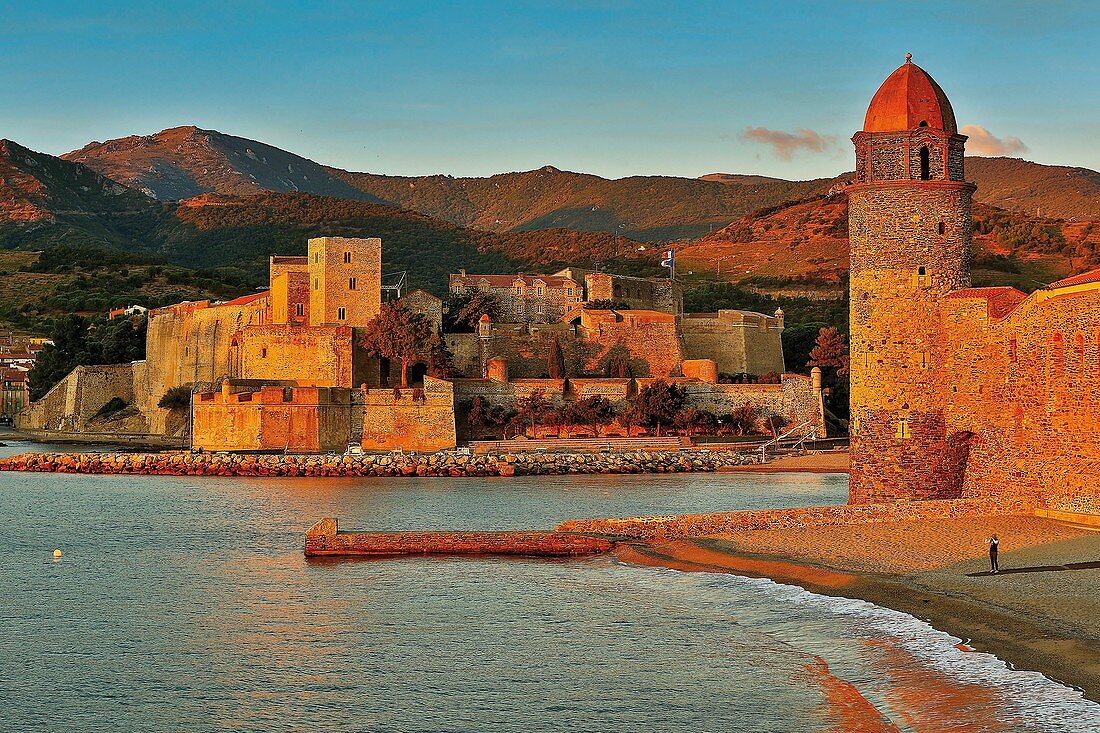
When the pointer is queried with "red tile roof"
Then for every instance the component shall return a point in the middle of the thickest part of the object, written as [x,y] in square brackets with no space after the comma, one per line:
[246,299]
[909,98]
[1083,279]
[1000,301]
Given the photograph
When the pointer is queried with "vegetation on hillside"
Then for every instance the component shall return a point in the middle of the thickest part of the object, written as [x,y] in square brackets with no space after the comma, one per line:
[78,340]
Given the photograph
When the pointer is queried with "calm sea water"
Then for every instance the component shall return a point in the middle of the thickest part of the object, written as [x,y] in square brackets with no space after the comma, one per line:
[185,604]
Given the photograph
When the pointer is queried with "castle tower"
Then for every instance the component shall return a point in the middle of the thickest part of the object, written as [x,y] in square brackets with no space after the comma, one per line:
[909,230]
[345,281]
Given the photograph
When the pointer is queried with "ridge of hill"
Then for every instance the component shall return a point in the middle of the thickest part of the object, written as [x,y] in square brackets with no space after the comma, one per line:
[804,246]
[187,161]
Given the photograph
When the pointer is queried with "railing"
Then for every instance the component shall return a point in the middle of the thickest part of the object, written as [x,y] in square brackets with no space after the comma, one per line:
[798,442]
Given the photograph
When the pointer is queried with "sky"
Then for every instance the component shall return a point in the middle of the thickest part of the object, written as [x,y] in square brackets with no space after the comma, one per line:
[612,88]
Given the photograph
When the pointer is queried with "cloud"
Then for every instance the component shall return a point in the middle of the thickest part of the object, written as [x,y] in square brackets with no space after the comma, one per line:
[787,143]
[983,142]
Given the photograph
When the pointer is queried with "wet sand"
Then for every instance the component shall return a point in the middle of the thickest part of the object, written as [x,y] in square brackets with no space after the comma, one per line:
[1039,613]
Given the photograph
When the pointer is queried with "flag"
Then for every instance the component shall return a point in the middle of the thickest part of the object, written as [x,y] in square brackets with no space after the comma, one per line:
[670,259]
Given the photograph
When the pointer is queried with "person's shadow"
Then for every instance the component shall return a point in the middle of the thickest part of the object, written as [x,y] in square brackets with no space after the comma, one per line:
[1041,569]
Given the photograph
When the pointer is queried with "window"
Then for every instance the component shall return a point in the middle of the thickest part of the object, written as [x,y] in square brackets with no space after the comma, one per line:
[925,172]
[942,228]
[263,352]
[341,314]
[539,310]
[922,271]
[351,283]
[316,284]
[1012,354]
[902,432]
[300,309]
[539,291]
[1057,353]
[347,258]
[569,292]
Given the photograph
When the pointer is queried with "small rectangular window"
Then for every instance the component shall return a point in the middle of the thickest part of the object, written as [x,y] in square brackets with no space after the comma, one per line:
[300,309]
[351,283]
[347,258]
[341,314]
[316,284]
[902,432]
[263,353]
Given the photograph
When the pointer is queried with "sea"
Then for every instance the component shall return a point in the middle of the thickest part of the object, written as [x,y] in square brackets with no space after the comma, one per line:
[186,604]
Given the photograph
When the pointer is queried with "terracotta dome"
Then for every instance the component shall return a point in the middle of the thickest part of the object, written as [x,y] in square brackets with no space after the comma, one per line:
[909,98]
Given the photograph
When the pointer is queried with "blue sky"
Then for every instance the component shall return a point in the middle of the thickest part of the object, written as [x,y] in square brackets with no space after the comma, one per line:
[613,88]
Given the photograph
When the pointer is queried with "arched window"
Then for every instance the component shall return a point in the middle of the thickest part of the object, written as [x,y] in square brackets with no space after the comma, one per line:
[1079,351]
[925,171]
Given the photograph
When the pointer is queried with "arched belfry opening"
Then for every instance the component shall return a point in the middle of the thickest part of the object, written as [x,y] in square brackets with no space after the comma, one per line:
[925,170]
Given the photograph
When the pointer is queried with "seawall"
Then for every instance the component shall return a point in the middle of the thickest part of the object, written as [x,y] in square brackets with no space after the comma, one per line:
[437,464]
[325,539]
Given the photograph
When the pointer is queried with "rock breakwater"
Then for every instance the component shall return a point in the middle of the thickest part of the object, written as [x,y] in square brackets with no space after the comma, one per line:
[444,464]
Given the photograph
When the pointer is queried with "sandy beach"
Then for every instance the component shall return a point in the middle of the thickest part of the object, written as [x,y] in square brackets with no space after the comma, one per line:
[1039,613]
[813,462]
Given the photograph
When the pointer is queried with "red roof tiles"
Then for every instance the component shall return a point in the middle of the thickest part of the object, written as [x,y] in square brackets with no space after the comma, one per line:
[246,299]
[909,98]
[1083,279]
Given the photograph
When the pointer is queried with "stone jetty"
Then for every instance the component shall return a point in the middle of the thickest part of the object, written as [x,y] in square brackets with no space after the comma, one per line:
[325,539]
[445,464]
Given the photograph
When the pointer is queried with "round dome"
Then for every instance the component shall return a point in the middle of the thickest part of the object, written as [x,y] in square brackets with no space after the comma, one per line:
[909,98]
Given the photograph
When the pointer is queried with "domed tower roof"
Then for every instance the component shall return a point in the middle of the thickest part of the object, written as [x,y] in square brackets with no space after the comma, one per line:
[909,98]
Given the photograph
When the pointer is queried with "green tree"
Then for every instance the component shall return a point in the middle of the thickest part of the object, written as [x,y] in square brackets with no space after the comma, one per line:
[533,409]
[398,333]
[742,420]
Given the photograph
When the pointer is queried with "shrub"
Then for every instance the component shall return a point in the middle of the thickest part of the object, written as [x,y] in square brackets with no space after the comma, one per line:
[176,398]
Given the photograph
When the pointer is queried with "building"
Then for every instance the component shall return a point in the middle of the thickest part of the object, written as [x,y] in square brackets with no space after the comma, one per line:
[562,295]
[15,393]
[957,391]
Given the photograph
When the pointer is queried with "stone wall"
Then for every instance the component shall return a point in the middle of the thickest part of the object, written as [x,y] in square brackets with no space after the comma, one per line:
[319,356]
[272,418]
[73,402]
[421,420]
[648,340]
[346,275]
[740,342]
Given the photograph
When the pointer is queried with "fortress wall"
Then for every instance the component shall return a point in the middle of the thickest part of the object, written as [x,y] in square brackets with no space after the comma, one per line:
[648,340]
[740,342]
[1028,388]
[79,396]
[396,419]
[295,419]
[322,355]
[466,349]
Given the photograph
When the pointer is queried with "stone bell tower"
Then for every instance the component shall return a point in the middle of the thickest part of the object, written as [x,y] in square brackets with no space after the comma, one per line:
[909,229]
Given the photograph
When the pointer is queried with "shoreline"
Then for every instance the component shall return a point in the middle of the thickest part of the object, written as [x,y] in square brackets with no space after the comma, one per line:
[1022,642]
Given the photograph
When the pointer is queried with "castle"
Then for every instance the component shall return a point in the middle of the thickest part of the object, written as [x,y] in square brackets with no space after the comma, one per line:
[283,369]
[957,391]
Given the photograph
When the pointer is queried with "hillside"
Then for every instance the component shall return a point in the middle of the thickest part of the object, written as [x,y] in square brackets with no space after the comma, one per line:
[646,208]
[182,162]
[804,247]
[1050,191]
[45,200]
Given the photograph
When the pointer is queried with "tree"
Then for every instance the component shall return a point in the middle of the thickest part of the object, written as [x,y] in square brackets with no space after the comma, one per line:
[658,403]
[476,415]
[595,411]
[742,420]
[533,409]
[80,341]
[176,398]
[441,362]
[830,350]
[464,310]
[692,420]
[606,304]
[619,368]
[398,333]
[555,362]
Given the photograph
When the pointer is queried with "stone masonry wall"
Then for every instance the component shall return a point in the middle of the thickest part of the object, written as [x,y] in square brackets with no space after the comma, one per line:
[404,419]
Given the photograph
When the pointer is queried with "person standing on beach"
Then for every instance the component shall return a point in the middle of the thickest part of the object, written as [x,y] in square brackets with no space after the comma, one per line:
[993,542]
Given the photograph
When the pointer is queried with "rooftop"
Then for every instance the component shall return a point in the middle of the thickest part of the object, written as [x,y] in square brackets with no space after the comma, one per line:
[908,99]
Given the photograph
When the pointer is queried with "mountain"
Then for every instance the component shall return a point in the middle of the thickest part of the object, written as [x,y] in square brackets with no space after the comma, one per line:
[1051,191]
[803,246]
[182,162]
[45,201]
[646,208]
